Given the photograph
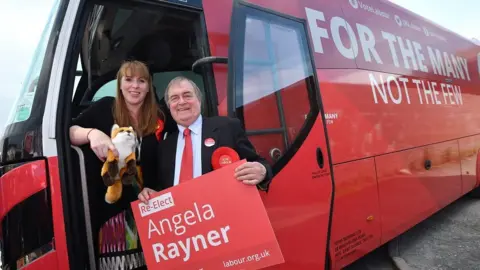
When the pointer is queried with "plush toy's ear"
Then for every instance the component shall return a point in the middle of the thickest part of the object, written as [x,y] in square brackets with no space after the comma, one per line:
[114,127]
[133,131]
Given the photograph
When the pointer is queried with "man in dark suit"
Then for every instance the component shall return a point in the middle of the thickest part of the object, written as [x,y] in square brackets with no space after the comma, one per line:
[187,152]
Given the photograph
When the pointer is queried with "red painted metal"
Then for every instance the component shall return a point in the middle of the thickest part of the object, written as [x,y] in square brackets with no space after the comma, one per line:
[469,149]
[378,147]
[20,183]
[356,217]
[409,192]
[381,131]
[25,180]
[300,216]
[57,213]
[47,261]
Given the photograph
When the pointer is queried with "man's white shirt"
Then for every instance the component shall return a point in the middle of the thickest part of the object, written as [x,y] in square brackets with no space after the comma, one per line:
[196,134]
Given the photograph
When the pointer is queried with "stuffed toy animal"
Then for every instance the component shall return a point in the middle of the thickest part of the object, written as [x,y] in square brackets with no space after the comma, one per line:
[121,170]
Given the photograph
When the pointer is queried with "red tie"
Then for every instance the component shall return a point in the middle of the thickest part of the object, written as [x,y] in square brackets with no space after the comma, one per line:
[186,170]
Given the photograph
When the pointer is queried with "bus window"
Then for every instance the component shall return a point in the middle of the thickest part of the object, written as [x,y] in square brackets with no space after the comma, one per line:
[22,107]
[107,90]
[273,90]
[78,76]
[276,97]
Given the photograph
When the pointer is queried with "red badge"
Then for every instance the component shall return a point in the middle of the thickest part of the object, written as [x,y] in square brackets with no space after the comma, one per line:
[158,131]
[209,142]
[224,156]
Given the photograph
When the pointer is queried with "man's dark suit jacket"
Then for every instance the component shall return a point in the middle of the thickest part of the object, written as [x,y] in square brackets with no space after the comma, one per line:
[226,132]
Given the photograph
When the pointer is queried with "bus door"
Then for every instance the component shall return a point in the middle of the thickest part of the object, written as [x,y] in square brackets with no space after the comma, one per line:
[32,230]
[270,84]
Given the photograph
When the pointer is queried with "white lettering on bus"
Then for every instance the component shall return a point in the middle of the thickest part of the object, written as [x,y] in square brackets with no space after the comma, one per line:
[408,51]
[405,53]
[391,43]
[337,23]
[383,92]
[420,56]
[367,40]
[428,92]
[317,32]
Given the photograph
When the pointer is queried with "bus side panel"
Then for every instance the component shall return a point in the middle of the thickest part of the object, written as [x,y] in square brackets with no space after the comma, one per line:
[27,180]
[298,205]
[367,121]
[410,191]
[299,201]
[25,215]
[218,27]
[405,42]
[356,214]
[57,213]
[20,183]
[217,20]
[469,149]
[387,104]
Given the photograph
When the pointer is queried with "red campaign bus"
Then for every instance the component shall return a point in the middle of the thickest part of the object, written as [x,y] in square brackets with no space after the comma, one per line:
[368,113]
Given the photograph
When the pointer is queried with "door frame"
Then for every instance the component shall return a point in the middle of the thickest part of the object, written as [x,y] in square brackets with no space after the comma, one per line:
[234,63]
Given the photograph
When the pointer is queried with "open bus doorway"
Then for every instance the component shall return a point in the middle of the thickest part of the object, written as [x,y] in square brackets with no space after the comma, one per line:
[169,39]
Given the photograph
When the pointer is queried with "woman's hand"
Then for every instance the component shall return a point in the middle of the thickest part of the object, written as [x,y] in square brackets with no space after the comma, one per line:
[100,143]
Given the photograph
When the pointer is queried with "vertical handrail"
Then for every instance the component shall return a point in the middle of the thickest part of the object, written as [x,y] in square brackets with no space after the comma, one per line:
[86,207]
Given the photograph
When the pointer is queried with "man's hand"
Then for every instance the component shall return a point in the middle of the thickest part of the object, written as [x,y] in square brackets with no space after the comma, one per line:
[250,173]
[144,196]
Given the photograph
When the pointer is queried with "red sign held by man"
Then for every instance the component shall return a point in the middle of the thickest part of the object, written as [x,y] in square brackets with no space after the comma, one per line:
[210,222]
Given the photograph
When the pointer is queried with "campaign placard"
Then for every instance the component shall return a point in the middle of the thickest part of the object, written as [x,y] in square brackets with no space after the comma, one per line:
[210,222]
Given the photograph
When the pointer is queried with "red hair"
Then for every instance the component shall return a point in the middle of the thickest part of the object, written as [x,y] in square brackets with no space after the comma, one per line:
[149,112]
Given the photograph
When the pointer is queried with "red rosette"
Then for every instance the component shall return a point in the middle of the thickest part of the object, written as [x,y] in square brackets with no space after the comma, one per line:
[158,131]
[224,156]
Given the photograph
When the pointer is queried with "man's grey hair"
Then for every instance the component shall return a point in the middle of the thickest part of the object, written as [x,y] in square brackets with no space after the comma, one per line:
[178,80]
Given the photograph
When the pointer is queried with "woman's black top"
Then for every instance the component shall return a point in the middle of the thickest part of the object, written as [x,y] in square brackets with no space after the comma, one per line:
[106,218]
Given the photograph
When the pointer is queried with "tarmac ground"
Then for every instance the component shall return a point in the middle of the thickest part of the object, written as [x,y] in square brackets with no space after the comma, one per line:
[448,240]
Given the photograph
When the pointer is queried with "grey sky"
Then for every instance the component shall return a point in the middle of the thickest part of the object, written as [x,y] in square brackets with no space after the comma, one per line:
[461,16]
[23,22]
